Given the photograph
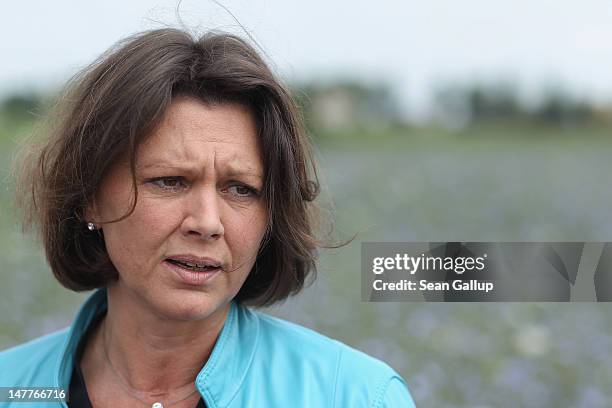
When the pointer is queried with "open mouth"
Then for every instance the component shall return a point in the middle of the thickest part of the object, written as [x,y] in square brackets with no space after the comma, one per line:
[193,266]
[194,273]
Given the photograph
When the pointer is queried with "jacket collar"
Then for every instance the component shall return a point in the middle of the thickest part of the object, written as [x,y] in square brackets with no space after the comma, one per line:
[222,375]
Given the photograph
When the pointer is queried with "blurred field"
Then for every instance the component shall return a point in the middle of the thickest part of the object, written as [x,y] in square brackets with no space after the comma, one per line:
[482,184]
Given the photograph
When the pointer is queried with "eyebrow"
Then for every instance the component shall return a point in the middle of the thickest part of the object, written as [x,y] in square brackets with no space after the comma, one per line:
[230,169]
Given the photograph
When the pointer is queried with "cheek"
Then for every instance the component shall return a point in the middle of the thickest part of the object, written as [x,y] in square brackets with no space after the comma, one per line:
[149,220]
[155,217]
[139,239]
[255,225]
[244,234]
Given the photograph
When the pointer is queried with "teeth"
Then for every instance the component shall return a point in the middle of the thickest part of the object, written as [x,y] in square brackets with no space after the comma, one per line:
[194,265]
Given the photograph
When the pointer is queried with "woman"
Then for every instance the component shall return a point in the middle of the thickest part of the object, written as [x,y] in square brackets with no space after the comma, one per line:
[177,182]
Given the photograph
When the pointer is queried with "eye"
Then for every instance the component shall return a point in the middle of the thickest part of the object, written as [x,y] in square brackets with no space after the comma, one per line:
[168,183]
[242,191]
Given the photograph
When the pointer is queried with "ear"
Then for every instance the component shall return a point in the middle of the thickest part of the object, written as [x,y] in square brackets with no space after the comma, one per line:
[91,212]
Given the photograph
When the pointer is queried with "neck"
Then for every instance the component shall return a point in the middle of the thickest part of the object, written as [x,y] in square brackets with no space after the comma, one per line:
[152,355]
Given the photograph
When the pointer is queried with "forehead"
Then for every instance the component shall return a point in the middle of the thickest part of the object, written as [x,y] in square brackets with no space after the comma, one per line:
[191,132]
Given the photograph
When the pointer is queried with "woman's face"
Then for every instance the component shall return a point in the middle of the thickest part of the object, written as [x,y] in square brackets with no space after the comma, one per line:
[199,178]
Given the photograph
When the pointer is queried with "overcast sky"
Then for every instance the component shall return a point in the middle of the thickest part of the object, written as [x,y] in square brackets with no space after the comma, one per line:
[412,45]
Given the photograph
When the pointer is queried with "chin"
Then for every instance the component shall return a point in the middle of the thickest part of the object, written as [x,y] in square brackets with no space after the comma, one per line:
[190,306]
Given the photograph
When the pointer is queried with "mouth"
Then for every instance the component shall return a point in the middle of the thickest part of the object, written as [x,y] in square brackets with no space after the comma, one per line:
[207,266]
[192,270]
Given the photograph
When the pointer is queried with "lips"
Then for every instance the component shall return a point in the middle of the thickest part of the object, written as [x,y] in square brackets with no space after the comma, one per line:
[194,270]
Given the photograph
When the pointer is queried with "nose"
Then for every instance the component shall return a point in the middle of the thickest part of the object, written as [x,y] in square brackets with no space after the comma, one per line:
[203,216]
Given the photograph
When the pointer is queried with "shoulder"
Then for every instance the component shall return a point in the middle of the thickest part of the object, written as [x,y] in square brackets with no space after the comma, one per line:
[356,376]
[32,363]
[294,337]
[289,337]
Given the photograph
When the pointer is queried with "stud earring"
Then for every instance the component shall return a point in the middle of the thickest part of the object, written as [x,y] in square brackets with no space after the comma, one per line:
[91,226]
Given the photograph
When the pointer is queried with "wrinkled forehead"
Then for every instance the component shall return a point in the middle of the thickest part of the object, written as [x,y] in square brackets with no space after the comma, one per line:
[194,134]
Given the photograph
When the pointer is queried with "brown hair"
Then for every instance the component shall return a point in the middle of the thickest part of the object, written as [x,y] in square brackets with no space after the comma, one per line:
[112,106]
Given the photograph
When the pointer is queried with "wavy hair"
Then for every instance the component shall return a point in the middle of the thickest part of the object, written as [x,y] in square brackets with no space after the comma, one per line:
[111,107]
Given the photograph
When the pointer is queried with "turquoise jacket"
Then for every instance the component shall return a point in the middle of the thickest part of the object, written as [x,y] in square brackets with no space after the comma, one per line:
[257,361]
